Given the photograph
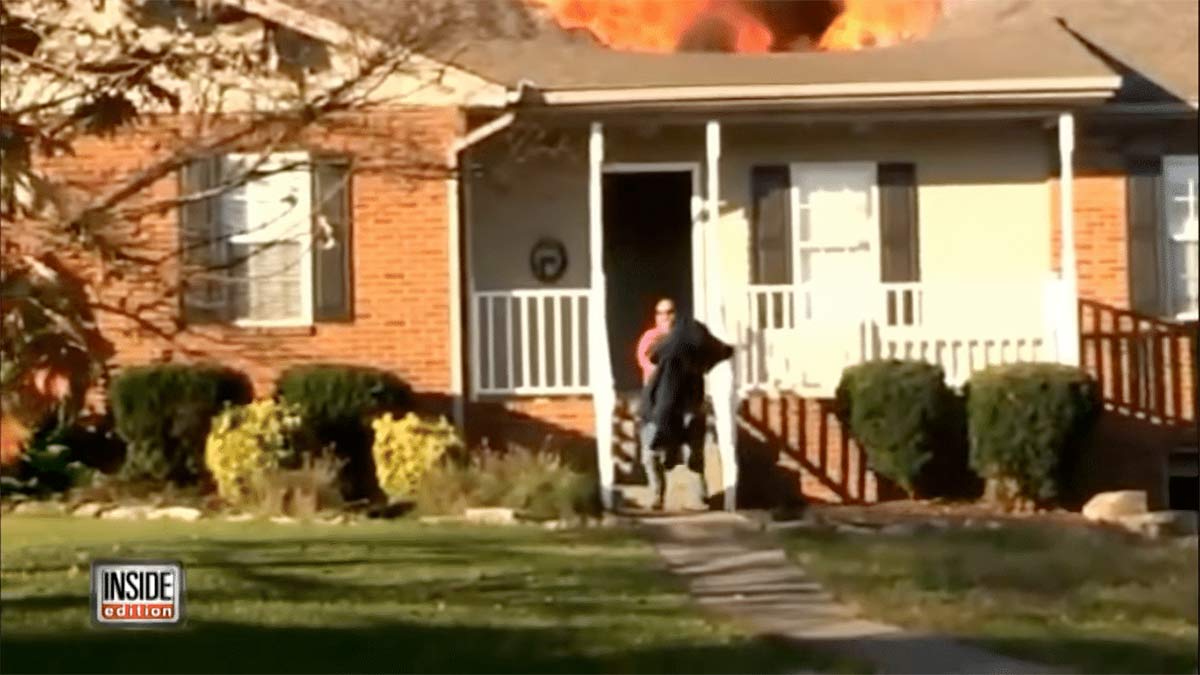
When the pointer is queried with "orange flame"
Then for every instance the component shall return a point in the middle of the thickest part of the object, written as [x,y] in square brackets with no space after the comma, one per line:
[660,25]
[655,25]
[879,23]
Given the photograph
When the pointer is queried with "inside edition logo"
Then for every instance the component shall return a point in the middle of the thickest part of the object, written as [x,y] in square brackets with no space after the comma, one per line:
[137,593]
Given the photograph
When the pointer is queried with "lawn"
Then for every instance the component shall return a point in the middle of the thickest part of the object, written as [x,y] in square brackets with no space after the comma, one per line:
[379,596]
[1094,600]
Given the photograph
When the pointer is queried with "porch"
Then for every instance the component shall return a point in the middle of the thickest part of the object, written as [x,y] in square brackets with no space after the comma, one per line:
[813,246]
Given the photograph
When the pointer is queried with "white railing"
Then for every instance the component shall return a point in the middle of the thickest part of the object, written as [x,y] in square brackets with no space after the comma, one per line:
[800,337]
[529,341]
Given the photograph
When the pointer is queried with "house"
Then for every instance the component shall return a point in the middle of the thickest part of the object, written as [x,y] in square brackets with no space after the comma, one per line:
[1017,185]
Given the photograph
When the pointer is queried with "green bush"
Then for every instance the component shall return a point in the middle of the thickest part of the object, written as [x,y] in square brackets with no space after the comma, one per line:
[336,403]
[536,485]
[163,412]
[49,462]
[406,449]
[896,410]
[248,440]
[1025,422]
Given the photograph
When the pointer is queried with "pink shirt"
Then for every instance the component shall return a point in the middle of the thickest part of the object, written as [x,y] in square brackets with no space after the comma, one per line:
[645,343]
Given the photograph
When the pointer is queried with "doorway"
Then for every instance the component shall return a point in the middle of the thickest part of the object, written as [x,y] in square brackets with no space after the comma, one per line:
[647,255]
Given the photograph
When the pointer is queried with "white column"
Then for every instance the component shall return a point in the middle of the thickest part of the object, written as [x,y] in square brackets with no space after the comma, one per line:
[721,380]
[1068,323]
[599,368]
[453,244]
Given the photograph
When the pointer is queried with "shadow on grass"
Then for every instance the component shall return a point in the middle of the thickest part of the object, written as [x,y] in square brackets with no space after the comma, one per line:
[389,646]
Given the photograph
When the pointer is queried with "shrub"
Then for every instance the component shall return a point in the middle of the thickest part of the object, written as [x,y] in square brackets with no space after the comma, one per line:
[1025,421]
[248,440]
[406,449]
[336,402]
[896,410]
[536,485]
[299,492]
[164,412]
[49,462]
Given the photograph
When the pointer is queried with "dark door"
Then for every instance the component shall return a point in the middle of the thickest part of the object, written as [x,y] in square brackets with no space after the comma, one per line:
[647,256]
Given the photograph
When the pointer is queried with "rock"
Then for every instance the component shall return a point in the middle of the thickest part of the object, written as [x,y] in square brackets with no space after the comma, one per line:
[1190,541]
[1108,507]
[439,520]
[900,529]
[490,516]
[136,512]
[239,517]
[36,508]
[283,520]
[1160,523]
[685,490]
[850,528]
[90,509]
[554,525]
[184,513]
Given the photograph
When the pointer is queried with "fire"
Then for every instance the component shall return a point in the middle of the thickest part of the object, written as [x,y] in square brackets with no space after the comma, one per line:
[879,23]
[742,25]
[656,25]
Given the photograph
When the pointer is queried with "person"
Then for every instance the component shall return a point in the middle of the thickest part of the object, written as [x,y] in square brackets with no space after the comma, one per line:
[664,317]
[672,405]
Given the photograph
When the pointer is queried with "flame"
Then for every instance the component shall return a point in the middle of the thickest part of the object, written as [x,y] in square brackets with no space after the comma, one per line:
[656,25]
[660,25]
[879,23]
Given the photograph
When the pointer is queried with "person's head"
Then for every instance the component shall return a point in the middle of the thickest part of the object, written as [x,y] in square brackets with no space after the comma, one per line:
[664,313]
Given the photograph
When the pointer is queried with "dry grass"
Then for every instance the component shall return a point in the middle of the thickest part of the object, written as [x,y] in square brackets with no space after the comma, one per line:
[1081,597]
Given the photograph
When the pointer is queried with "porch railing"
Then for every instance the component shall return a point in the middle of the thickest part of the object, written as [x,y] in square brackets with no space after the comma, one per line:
[1146,367]
[800,337]
[529,341]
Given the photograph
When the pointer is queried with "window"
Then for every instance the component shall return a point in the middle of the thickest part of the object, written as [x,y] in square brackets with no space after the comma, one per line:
[269,244]
[1181,236]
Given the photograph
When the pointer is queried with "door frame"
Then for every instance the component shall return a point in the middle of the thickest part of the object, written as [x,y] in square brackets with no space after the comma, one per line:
[696,210]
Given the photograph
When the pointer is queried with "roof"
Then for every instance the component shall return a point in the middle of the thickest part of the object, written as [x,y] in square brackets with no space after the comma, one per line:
[1152,42]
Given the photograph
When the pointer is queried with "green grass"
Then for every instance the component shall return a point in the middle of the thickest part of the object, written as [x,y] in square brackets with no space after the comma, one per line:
[380,596]
[1094,600]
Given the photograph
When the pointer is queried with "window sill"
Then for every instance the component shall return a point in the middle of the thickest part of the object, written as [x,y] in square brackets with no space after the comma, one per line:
[276,331]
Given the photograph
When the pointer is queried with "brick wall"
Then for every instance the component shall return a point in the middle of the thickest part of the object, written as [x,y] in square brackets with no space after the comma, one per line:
[400,253]
[1100,236]
[563,424]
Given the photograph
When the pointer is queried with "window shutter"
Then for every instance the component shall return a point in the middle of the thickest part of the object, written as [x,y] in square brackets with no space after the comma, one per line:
[898,224]
[771,225]
[332,240]
[1143,199]
[203,253]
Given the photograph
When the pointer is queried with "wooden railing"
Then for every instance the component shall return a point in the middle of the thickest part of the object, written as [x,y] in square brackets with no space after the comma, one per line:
[529,341]
[1146,367]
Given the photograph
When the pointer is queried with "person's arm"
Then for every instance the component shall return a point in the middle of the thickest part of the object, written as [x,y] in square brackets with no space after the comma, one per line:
[645,344]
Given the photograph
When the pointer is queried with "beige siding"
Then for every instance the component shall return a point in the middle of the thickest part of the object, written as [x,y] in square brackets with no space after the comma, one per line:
[985,205]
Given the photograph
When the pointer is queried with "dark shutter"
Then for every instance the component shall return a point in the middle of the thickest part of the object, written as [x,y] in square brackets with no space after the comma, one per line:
[771,225]
[332,240]
[1143,200]
[898,223]
[203,250]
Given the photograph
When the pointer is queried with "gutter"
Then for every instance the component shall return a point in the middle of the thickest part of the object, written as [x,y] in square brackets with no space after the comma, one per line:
[1080,87]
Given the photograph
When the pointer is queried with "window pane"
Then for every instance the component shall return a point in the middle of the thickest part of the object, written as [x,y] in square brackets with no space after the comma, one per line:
[1181,199]
[1182,271]
[266,283]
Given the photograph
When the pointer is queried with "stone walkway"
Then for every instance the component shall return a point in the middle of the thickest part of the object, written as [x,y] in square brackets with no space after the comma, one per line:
[736,570]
